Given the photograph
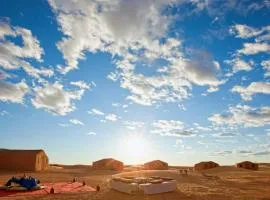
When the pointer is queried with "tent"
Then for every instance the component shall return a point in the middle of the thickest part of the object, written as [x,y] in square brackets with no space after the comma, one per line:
[23,160]
[205,165]
[248,165]
[108,164]
[156,165]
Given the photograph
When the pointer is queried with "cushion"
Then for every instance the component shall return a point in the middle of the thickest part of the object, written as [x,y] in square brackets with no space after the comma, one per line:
[17,188]
[125,180]
[167,178]
[156,181]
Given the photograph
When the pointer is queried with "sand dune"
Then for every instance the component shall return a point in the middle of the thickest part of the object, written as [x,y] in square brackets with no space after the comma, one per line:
[219,183]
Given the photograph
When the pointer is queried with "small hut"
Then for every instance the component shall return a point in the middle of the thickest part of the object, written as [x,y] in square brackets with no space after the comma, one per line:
[156,165]
[108,164]
[205,165]
[23,160]
[247,165]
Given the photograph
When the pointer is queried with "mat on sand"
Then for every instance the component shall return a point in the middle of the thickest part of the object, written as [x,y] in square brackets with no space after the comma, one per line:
[61,187]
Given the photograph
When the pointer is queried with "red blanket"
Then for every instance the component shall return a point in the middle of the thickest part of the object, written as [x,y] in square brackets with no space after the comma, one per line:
[61,187]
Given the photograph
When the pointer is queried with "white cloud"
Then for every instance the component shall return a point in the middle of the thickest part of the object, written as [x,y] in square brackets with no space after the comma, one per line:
[268,133]
[76,122]
[263,38]
[178,141]
[95,111]
[4,113]
[111,117]
[98,27]
[133,125]
[255,48]
[240,65]
[201,142]
[125,106]
[182,107]
[266,67]
[170,128]
[4,75]
[175,83]
[120,105]
[244,152]
[202,70]
[53,98]
[81,84]
[252,89]
[244,116]
[14,93]
[64,125]
[262,153]
[116,104]
[225,134]
[201,128]
[244,31]
[222,7]
[221,153]
[13,56]
[91,133]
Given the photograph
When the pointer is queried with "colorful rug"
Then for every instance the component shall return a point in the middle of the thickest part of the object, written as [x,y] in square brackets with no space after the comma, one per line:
[61,187]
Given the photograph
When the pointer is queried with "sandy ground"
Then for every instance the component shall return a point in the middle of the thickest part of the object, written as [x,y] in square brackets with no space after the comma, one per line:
[221,183]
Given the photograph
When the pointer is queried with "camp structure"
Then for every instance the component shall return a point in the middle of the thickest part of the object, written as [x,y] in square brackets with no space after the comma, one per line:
[247,165]
[108,164]
[205,165]
[155,165]
[23,160]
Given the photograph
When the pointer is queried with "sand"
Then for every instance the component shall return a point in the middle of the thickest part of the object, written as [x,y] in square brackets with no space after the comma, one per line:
[218,184]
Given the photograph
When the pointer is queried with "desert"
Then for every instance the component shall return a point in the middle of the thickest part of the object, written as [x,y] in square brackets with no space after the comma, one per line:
[224,182]
[135,99]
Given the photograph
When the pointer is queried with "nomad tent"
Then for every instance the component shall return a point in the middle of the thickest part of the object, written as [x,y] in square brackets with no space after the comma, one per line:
[248,165]
[156,165]
[108,164]
[23,160]
[205,165]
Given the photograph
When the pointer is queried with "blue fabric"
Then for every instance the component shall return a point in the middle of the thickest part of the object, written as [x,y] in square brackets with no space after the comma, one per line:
[27,182]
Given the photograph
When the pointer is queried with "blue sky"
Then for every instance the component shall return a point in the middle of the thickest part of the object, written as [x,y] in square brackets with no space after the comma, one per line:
[181,81]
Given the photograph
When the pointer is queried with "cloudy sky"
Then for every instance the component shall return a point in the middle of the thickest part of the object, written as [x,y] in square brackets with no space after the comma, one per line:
[181,81]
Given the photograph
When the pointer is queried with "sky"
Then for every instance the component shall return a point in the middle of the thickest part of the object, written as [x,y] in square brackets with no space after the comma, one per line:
[136,80]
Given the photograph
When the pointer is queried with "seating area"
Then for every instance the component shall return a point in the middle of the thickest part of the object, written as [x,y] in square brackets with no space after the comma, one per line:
[28,186]
[147,185]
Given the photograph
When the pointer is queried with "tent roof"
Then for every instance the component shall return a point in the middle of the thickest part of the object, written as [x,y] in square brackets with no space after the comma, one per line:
[153,161]
[246,162]
[29,151]
[206,162]
[107,160]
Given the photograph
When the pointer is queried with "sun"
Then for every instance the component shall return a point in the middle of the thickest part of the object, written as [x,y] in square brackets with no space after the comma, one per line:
[135,148]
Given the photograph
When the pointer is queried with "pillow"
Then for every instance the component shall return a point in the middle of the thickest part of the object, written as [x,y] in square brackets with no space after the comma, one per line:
[129,177]
[156,181]
[155,177]
[17,188]
[167,178]
[125,180]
